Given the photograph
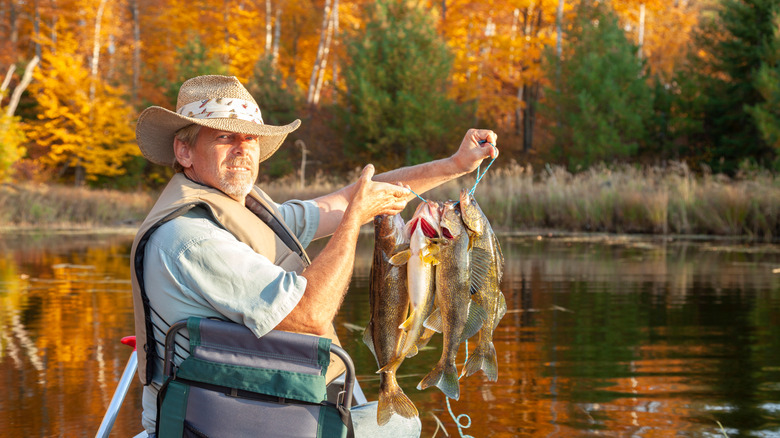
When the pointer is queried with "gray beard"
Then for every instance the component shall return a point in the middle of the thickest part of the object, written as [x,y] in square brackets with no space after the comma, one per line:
[236,187]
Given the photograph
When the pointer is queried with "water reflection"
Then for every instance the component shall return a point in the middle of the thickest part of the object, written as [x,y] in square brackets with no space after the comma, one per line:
[608,338]
[65,303]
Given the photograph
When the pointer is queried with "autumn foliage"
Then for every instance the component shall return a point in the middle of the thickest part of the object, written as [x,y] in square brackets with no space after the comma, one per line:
[103,62]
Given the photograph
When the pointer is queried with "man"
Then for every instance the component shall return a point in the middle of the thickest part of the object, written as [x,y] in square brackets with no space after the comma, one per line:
[214,245]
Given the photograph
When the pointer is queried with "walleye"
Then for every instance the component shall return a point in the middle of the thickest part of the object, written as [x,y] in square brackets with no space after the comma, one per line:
[423,227]
[487,267]
[389,301]
[456,316]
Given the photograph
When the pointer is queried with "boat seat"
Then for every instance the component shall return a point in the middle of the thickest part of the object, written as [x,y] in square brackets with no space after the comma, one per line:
[236,384]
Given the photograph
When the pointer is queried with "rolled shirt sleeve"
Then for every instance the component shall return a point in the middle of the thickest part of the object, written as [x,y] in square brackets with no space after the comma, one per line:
[302,217]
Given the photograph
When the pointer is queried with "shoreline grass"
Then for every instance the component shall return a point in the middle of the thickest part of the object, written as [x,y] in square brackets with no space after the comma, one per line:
[668,200]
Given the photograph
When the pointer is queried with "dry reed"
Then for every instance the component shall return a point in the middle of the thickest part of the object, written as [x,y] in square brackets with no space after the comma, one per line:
[627,199]
[623,199]
[51,206]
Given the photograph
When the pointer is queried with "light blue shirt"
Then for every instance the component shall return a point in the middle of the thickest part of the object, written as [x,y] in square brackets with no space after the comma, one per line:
[194,267]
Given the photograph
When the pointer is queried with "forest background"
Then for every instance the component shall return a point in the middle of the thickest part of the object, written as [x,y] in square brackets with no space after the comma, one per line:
[658,116]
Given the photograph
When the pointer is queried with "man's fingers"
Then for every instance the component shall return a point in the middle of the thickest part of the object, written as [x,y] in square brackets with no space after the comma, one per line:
[403,191]
[493,151]
[488,140]
[368,172]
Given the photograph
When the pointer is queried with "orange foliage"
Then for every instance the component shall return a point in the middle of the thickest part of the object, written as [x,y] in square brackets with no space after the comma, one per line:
[498,46]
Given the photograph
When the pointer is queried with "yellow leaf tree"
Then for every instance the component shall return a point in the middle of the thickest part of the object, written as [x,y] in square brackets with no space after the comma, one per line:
[73,134]
[12,139]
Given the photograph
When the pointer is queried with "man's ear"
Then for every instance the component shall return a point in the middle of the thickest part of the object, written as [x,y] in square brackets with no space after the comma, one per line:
[183,153]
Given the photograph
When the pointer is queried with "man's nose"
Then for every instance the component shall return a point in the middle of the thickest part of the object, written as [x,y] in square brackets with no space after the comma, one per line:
[242,145]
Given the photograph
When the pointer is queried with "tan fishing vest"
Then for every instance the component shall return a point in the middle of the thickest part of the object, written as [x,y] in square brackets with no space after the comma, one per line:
[249,224]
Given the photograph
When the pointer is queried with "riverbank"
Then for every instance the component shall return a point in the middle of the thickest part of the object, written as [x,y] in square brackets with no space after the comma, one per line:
[669,201]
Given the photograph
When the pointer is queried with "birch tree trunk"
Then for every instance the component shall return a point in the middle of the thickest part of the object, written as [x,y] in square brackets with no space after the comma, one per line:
[335,43]
[320,50]
[332,23]
[268,27]
[135,14]
[37,29]
[277,36]
[558,25]
[641,36]
[7,81]
[96,48]
[13,22]
[17,94]
[53,27]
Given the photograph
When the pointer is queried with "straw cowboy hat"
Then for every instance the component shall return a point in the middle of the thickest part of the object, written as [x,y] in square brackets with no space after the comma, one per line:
[218,102]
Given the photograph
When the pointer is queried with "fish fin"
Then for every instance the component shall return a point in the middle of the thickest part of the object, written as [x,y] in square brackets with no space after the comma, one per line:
[399,247]
[406,325]
[400,258]
[391,366]
[368,338]
[483,359]
[480,268]
[423,340]
[434,321]
[401,341]
[413,350]
[430,254]
[501,311]
[444,377]
[432,251]
[477,317]
[394,401]
[499,259]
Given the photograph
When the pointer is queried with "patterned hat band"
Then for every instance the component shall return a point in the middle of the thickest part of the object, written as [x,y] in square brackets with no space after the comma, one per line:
[222,108]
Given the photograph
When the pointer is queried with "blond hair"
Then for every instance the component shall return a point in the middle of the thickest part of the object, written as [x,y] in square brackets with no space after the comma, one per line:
[188,135]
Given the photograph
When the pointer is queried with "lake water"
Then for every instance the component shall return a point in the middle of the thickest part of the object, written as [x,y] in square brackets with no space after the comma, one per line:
[611,337]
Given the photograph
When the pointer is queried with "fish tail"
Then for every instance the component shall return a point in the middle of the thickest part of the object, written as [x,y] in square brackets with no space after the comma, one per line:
[444,377]
[393,400]
[483,358]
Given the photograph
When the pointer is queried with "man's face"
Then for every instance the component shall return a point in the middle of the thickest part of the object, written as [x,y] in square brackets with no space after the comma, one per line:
[221,159]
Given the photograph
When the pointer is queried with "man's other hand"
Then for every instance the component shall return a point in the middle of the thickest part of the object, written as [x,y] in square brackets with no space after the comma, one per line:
[471,152]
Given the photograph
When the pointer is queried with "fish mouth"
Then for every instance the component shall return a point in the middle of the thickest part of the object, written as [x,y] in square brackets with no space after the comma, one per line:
[428,230]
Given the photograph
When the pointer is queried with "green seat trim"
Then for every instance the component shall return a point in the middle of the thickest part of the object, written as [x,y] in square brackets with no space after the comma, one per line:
[173,409]
[323,354]
[279,383]
[193,329]
[330,423]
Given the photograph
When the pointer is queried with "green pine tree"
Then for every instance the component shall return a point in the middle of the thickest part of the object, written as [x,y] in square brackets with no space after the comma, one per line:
[766,114]
[193,59]
[738,41]
[279,103]
[599,99]
[395,106]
